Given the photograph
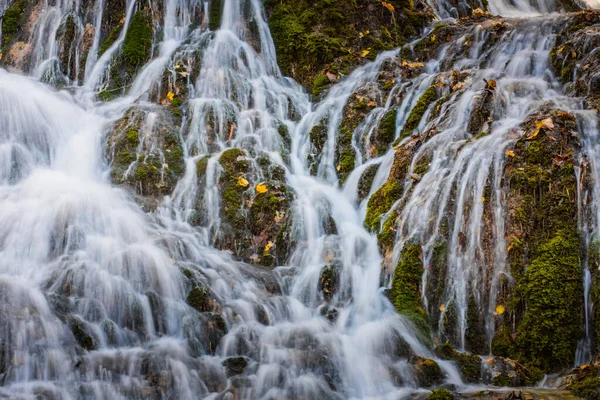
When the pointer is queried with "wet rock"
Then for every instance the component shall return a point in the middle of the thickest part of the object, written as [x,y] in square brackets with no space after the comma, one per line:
[235,365]
[145,157]
[80,332]
[256,213]
[588,388]
[428,372]
[328,282]
[506,372]
[215,328]
[440,394]
[366,181]
[326,39]
[199,298]
[406,288]
[543,240]
[502,342]
[468,364]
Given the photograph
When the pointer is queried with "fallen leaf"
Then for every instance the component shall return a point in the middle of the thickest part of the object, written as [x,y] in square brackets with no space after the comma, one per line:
[500,309]
[242,182]
[170,96]
[261,188]
[269,246]
[389,6]
[364,53]
[442,308]
[509,153]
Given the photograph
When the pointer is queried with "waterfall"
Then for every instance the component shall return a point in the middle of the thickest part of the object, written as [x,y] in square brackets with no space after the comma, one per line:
[100,282]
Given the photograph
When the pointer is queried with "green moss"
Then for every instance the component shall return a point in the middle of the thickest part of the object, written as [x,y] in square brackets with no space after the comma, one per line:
[588,389]
[328,282]
[11,22]
[234,164]
[551,288]
[366,181]
[386,131]
[318,135]
[199,298]
[502,342]
[405,293]
[380,202]
[84,339]
[215,13]
[201,166]
[112,38]
[416,114]
[320,83]
[284,133]
[428,372]
[468,364]
[347,162]
[137,44]
[387,236]
[440,394]
[475,332]
[132,136]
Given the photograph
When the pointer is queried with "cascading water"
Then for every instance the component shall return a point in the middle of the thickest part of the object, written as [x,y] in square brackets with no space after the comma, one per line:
[94,291]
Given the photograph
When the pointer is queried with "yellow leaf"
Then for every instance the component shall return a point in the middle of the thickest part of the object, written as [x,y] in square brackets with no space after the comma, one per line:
[372,103]
[242,182]
[500,309]
[389,7]
[364,53]
[415,64]
[433,38]
[534,134]
[510,153]
[442,308]
[269,246]
[483,199]
[170,96]
[509,248]
[492,84]
[339,166]
[261,188]
[404,63]
[560,50]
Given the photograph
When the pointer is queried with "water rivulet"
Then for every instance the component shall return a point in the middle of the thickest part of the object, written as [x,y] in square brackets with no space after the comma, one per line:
[180,220]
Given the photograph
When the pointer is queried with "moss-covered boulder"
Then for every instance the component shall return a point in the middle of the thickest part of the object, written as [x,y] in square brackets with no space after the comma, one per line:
[405,293]
[149,162]
[366,181]
[427,372]
[440,394]
[255,206]
[135,52]
[500,371]
[468,364]
[588,389]
[333,36]
[543,241]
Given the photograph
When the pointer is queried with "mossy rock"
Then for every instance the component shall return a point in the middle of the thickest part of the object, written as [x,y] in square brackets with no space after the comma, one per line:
[502,343]
[366,181]
[386,131]
[440,394]
[137,44]
[199,298]
[312,37]
[428,372]
[11,23]
[544,241]
[468,364]
[588,389]
[328,282]
[215,12]
[429,96]
[83,338]
[405,293]
[551,287]
[380,202]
